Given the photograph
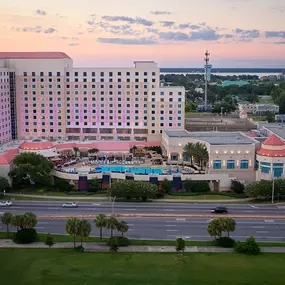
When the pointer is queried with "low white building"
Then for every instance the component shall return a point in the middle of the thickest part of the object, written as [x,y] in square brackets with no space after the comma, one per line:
[258,109]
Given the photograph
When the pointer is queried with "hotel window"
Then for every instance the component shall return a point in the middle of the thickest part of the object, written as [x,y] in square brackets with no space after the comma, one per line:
[50,73]
[110,74]
[179,100]
[145,80]
[217,164]
[230,164]
[42,74]
[145,86]
[76,73]
[128,73]
[244,164]
[25,73]
[179,124]
[25,86]
[67,74]
[145,73]
[119,73]
[84,73]
[101,73]
[58,73]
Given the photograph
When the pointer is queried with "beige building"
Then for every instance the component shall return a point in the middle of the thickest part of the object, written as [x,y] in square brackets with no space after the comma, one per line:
[231,153]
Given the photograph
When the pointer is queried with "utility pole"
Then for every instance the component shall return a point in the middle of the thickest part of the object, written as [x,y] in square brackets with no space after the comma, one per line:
[207,58]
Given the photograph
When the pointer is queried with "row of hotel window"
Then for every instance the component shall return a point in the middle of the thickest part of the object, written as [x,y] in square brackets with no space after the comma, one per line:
[93,80]
[93,73]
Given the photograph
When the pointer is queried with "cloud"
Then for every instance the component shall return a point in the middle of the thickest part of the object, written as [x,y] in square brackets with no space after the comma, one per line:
[127,41]
[68,38]
[247,34]
[49,31]
[41,12]
[189,26]
[137,20]
[279,43]
[160,13]
[152,31]
[167,23]
[275,34]
[73,44]
[37,29]
[174,36]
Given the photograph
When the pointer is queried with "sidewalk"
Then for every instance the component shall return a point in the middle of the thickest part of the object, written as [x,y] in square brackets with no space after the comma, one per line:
[100,247]
[76,198]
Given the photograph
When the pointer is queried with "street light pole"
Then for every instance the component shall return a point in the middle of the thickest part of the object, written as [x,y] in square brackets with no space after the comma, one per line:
[222,114]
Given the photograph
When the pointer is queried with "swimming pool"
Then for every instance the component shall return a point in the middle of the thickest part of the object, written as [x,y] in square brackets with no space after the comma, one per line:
[133,170]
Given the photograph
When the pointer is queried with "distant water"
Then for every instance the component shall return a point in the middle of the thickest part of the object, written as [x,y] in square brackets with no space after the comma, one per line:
[225,70]
[226,73]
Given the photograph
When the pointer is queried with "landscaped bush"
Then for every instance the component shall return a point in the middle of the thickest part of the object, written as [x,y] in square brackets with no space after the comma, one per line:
[196,186]
[250,247]
[226,242]
[25,236]
[79,248]
[237,187]
[121,241]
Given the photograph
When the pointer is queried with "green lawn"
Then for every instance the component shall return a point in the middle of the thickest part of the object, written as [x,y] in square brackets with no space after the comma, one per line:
[199,197]
[60,267]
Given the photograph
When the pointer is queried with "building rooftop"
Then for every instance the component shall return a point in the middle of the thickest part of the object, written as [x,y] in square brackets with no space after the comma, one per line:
[277,129]
[214,138]
[33,55]
[274,141]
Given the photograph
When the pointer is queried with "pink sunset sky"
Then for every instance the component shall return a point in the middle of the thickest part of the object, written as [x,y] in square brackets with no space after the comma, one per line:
[238,33]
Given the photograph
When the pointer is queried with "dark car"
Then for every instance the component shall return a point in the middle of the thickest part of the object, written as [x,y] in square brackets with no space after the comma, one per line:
[220,210]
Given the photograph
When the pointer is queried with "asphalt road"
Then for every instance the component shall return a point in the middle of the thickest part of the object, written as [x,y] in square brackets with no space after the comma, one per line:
[47,208]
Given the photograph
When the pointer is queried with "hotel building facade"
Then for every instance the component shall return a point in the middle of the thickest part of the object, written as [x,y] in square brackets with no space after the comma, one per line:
[44,96]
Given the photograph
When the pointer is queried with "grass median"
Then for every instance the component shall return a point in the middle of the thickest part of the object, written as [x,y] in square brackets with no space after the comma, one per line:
[68,238]
[64,266]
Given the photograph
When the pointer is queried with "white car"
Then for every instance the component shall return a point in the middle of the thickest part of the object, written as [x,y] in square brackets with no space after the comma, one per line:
[69,205]
[5,203]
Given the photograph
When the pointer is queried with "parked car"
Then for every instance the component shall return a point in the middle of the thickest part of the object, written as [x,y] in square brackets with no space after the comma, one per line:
[69,205]
[220,210]
[6,203]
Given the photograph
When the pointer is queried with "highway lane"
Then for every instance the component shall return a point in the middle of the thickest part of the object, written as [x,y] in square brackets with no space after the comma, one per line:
[85,208]
[171,228]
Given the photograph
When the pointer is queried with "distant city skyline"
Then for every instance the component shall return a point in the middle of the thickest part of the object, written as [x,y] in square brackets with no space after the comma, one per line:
[238,34]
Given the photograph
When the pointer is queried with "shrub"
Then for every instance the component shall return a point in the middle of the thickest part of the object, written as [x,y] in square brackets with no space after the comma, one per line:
[114,247]
[120,240]
[196,186]
[49,241]
[79,248]
[226,242]
[237,187]
[180,244]
[250,247]
[25,236]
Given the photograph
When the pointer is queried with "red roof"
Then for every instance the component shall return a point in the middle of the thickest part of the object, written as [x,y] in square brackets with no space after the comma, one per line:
[271,152]
[8,156]
[36,145]
[33,55]
[274,141]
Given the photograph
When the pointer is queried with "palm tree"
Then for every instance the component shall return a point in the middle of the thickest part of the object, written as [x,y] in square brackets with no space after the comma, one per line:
[93,151]
[201,154]
[122,227]
[133,150]
[71,228]
[84,229]
[18,222]
[101,222]
[229,225]
[76,150]
[6,219]
[111,224]
[30,220]
[189,151]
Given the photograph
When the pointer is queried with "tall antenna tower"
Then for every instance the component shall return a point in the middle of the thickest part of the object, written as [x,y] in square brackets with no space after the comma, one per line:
[207,59]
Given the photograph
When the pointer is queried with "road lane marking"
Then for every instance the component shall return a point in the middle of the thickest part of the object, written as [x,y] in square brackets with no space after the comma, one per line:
[180,219]
[170,225]
[281,207]
[39,227]
[43,223]
[172,230]
[258,227]
[52,208]
[130,209]
[268,221]
[262,232]
[248,211]
[169,210]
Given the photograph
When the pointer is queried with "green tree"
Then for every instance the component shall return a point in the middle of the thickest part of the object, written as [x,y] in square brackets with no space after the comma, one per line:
[94,185]
[166,186]
[4,184]
[31,169]
[83,230]
[114,245]
[201,154]
[63,185]
[18,221]
[101,222]
[30,220]
[71,228]
[228,225]
[76,150]
[122,227]
[93,151]
[270,117]
[133,189]
[133,149]
[189,151]
[180,245]
[215,228]
[237,187]
[6,219]
[111,224]
[49,240]
[259,189]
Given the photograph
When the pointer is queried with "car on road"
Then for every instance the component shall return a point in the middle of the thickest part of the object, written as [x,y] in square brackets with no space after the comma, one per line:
[69,205]
[220,210]
[6,203]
